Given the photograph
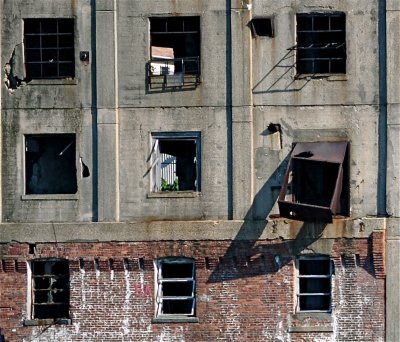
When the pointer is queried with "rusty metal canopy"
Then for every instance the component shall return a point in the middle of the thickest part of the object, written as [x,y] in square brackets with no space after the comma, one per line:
[331,152]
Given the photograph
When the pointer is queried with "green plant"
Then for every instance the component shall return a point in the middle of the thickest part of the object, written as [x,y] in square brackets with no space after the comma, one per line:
[165,186]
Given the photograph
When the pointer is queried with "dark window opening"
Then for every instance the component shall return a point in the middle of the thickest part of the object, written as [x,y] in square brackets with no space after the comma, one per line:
[321,43]
[314,284]
[50,289]
[316,184]
[175,162]
[175,50]
[49,48]
[176,287]
[262,27]
[50,164]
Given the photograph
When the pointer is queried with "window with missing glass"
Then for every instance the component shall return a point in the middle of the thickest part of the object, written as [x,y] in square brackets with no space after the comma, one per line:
[321,43]
[176,288]
[314,284]
[50,289]
[49,48]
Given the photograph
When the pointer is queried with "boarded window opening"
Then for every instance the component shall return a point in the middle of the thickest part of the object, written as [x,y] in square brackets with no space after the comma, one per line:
[321,43]
[314,284]
[262,27]
[49,48]
[176,287]
[50,288]
[175,162]
[50,164]
[316,182]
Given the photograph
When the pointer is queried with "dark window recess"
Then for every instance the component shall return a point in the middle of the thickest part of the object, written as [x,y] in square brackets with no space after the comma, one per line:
[50,288]
[50,164]
[49,48]
[175,162]
[176,287]
[315,186]
[321,43]
[314,284]
[175,52]
[262,27]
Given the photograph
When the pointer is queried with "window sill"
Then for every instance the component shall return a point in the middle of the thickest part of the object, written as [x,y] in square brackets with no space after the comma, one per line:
[328,77]
[52,197]
[173,319]
[310,322]
[174,194]
[47,321]
[53,81]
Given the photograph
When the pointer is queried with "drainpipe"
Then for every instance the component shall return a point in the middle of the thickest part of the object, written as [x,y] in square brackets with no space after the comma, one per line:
[382,122]
[229,116]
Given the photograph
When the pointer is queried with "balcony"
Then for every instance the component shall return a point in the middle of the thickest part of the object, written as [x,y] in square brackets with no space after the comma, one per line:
[175,74]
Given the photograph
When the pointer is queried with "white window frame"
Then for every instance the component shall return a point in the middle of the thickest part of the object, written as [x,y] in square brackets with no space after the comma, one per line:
[156,157]
[160,281]
[312,276]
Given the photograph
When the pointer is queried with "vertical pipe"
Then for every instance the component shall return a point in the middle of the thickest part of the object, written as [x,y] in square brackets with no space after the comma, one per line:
[382,122]
[95,193]
[228,69]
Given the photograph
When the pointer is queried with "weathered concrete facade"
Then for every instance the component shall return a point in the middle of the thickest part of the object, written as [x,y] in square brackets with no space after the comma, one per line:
[231,226]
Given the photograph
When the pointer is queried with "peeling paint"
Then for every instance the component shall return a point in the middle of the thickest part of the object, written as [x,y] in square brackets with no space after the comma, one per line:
[11,78]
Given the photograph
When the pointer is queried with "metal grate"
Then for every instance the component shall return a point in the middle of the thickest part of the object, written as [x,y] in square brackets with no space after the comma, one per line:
[49,48]
[321,43]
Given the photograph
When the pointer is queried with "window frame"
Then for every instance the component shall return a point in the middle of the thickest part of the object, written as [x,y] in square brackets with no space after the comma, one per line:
[33,195]
[173,72]
[333,153]
[298,292]
[155,160]
[318,46]
[158,290]
[34,319]
[69,75]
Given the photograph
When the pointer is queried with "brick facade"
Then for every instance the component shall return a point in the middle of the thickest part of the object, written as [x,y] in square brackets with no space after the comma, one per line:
[243,294]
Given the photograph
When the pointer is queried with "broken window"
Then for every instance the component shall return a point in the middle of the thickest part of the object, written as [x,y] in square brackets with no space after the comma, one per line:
[316,183]
[49,48]
[321,43]
[262,27]
[50,164]
[175,51]
[175,163]
[314,290]
[50,288]
[175,279]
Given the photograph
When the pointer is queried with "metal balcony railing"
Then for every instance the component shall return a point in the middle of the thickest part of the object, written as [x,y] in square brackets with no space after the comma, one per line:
[177,73]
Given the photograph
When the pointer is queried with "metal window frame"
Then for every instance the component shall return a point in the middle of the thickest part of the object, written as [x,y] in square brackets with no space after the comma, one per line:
[52,277]
[324,152]
[317,276]
[160,281]
[58,48]
[318,46]
[156,160]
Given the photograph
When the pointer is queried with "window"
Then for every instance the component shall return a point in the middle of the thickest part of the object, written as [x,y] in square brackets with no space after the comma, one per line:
[50,166]
[321,43]
[175,161]
[50,289]
[314,290]
[175,51]
[262,27]
[49,48]
[315,186]
[175,279]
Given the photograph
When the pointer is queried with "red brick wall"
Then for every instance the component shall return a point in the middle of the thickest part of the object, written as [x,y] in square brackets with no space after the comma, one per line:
[243,294]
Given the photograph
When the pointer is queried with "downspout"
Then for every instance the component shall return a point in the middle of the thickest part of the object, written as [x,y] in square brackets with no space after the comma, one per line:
[229,116]
[382,121]
[95,167]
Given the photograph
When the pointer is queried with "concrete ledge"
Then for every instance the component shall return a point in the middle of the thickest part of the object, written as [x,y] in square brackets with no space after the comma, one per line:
[310,329]
[48,321]
[175,320]
[187,230]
